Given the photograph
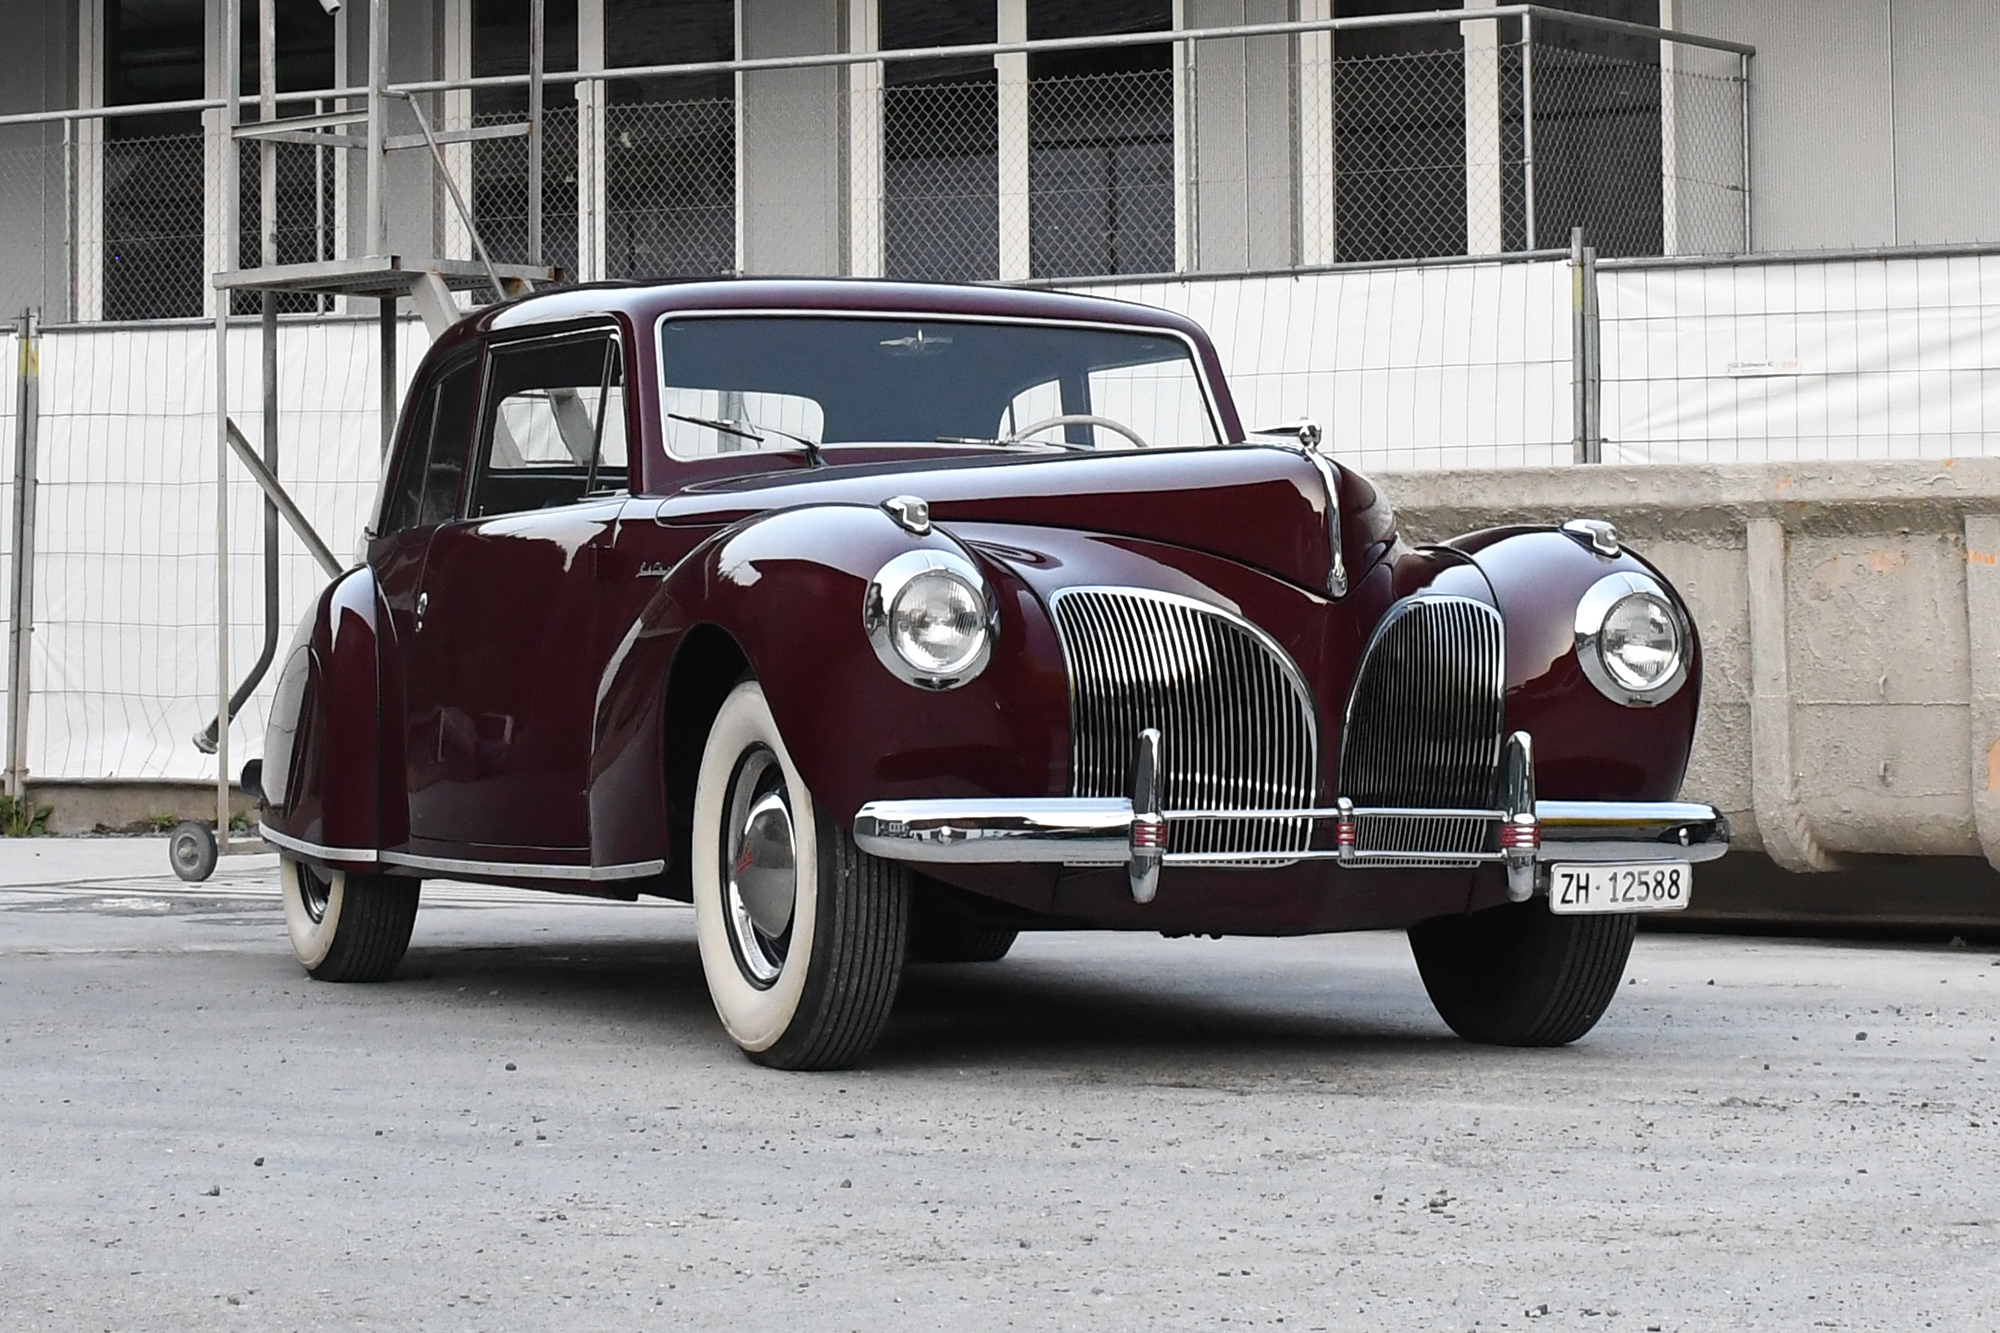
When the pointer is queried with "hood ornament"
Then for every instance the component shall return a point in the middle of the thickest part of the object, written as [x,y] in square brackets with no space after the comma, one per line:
[1305,430]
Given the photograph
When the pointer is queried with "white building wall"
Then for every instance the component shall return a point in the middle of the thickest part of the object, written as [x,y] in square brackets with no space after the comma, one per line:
[1871,120]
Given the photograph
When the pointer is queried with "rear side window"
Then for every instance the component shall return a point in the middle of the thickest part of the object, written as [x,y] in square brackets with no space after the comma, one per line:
[554,429]
[425,491]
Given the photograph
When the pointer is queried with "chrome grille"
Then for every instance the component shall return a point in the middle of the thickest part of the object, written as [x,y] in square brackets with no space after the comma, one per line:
[1424,724]
[1235,719]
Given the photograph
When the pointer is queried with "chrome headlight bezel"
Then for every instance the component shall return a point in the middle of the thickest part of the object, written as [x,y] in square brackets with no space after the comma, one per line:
[879,604]
[1594,608]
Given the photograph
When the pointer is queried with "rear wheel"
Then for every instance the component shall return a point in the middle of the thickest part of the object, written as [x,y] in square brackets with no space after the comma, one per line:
[1519,975]
[347,927]
[802,934]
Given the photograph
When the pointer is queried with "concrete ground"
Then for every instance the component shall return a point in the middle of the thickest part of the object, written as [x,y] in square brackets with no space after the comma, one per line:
[541,1126]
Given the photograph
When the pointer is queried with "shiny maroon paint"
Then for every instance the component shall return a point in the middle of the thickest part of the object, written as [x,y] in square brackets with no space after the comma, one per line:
[550,711]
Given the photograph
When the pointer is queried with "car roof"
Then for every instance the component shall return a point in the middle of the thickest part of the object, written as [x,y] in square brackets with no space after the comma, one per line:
[643,302]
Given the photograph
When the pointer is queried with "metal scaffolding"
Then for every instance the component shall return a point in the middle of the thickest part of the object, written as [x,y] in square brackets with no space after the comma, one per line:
[376,274]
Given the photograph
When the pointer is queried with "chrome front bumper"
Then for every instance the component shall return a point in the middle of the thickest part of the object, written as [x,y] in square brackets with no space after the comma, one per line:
[1134,832]
[1099,832]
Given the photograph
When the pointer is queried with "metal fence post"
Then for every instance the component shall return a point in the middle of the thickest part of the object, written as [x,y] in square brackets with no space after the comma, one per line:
[27,433]
[1586,359]
[1743,92]
[1528,127]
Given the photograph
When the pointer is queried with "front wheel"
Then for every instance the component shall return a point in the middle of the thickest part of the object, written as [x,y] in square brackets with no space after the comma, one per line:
[802,934]
[1519,975]
[347,927]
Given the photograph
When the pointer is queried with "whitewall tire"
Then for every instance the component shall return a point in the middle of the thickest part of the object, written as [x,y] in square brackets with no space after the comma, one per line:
[801,933]
[347,927]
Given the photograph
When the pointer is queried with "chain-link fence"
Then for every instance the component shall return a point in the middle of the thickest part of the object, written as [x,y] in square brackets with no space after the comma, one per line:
[1247,149]
[670,188]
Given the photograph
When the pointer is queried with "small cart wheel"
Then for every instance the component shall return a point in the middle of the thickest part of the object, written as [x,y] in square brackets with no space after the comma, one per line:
[191,848]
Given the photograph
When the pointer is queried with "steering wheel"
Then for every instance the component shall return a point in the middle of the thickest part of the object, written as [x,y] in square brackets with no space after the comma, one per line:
[1078,419]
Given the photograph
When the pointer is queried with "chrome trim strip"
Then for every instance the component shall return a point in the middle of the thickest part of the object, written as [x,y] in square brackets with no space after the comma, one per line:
[523,869]
[509,869]
[320,850]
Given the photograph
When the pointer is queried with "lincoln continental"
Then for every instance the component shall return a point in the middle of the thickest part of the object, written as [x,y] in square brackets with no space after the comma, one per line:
[882,622]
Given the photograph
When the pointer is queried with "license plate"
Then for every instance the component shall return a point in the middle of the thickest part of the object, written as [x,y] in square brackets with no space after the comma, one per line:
[1609,886]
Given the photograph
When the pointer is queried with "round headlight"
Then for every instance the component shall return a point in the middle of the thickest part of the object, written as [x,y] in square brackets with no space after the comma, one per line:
[1641,644]
[930,618]
[1632,639]
[938,623]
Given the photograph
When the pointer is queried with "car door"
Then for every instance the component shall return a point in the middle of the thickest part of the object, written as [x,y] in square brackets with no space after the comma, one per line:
[502,657]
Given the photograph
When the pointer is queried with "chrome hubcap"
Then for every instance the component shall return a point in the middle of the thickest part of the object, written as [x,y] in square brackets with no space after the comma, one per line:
[760,869]
[314,892]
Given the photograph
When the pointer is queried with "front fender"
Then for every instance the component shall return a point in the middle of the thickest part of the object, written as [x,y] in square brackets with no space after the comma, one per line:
[323,748]
[1587,747]
[786,589]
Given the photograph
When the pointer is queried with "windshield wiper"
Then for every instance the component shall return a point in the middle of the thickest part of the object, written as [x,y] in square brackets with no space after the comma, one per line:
[744,430]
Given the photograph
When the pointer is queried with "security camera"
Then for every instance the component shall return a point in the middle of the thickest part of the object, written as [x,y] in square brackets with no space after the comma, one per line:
[331,7]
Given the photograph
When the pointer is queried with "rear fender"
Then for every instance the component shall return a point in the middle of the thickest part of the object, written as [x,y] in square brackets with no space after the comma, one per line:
[324,756]
[782,595]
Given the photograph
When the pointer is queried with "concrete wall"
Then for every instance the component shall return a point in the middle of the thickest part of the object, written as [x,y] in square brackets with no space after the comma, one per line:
[1850,621]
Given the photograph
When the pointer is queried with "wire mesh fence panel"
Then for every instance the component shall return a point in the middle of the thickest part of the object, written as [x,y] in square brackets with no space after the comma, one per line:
[125,558]
[148,250]
[308,216]
[1832,359]
[941,181]
[1705,205]
[1101,173]
[1454,366]
[670,188]
[498,195]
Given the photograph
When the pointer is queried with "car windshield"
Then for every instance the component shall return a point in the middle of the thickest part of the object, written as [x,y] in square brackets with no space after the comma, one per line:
[734,383]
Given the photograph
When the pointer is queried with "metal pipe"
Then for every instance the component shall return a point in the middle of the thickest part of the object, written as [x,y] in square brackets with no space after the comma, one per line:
[387,402]
[267,481]
[1528,127]
[378,128]
[21,622]
[536,55]
[1743,65]
[228,223]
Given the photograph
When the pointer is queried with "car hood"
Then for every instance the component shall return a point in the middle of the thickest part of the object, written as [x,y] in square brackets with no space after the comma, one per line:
[1260,505]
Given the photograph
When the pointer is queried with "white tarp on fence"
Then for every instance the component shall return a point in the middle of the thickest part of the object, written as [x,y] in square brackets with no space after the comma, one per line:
[1462,365]
[1824,359]
[124,659]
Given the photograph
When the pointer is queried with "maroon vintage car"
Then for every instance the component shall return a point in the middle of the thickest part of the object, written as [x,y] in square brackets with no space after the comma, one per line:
[883,621]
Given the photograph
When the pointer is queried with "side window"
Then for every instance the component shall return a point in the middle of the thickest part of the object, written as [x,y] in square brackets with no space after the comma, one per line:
[554,428]
[425,490]
[451,442]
